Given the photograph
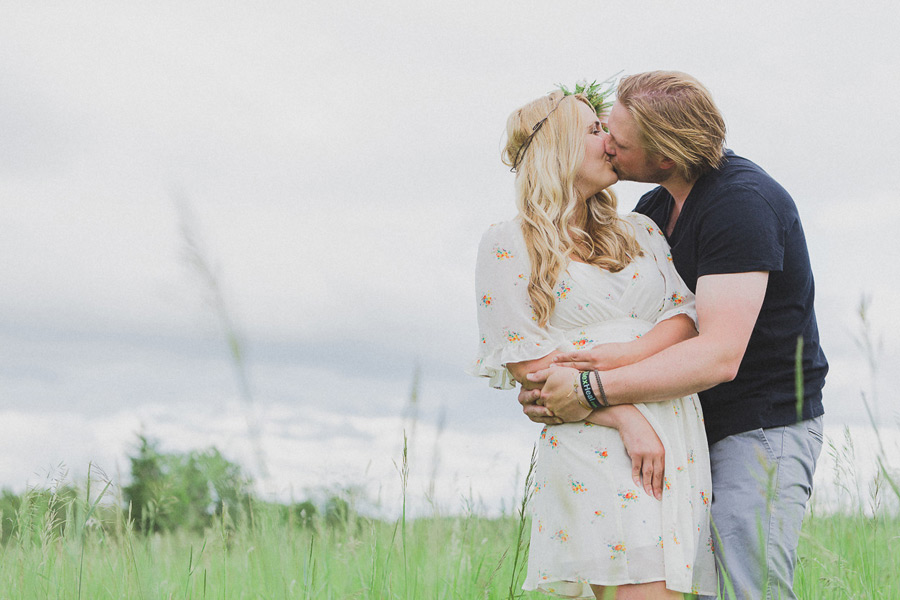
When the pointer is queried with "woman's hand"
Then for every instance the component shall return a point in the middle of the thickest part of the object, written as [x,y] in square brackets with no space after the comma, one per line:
[604,357]
[560,393]
[647,453]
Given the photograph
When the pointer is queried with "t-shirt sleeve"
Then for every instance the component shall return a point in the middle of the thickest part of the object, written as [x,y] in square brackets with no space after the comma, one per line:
[740,232]
[678,298]
[506,322]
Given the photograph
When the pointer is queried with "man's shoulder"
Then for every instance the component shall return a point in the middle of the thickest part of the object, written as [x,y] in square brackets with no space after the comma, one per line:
[737,171]
[653,200]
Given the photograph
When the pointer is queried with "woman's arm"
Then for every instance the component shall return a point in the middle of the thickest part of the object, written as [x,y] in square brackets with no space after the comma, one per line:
[607,357]
[643,446]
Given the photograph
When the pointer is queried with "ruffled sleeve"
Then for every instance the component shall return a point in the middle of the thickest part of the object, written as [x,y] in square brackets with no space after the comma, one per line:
[506,322]
[679,300]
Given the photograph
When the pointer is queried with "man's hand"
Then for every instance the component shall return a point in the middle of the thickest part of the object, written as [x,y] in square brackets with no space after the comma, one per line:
[648,456]
[560,393]
[529,398]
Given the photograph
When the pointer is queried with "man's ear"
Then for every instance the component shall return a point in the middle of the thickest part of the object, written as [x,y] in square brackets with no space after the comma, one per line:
[666,163]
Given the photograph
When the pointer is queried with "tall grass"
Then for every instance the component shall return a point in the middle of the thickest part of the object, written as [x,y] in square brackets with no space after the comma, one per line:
[265,553]
[267,556]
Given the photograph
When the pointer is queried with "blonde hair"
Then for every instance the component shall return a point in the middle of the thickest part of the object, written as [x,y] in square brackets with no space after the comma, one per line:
[555,224]
[677,118]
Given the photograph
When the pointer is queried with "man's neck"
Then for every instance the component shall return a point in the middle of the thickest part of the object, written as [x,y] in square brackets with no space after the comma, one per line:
[679,188]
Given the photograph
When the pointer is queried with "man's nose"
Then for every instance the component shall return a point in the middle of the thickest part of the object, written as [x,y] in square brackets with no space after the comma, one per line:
[608,145]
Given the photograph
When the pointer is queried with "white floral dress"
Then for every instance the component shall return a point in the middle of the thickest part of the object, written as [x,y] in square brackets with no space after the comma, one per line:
[590,523]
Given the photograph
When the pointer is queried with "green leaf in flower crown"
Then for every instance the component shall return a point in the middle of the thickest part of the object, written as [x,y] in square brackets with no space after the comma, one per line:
[598,94]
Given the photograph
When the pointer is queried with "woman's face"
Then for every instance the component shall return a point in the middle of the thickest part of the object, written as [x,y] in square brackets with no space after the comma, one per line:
[595,173]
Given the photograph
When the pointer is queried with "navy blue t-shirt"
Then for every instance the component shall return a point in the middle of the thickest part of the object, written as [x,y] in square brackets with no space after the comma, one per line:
[738,219]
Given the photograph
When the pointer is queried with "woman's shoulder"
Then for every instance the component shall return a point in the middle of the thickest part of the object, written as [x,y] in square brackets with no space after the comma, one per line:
[505,232]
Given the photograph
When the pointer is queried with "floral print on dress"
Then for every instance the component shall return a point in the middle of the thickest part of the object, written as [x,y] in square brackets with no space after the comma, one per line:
[677,299]
[582,341]
[628,497]
[616,550]
[513,337]
[502,253]
[562,535]
[562,290]
[675,537]
[602,454]
[704,498]
[577,486]
[487,300]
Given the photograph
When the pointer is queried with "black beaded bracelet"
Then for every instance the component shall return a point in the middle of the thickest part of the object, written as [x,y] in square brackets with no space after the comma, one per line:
[603,399]
[588,392]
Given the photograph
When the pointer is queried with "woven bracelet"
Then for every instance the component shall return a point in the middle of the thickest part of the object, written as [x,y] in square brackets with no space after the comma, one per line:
[603,399]
[588,392]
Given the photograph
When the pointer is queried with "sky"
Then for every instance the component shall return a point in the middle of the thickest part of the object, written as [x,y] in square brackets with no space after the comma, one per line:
[337,164]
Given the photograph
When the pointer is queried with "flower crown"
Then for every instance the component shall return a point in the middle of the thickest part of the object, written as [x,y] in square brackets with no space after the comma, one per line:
[598,94]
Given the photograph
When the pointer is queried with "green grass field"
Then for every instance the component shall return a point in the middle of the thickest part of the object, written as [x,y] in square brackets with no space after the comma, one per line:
[65,546]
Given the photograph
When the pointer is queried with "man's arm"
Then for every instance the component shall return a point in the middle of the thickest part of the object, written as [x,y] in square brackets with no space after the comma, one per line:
[727,308]
[641,443]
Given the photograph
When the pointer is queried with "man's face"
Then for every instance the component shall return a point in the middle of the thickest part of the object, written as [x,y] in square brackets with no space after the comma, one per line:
[629,160]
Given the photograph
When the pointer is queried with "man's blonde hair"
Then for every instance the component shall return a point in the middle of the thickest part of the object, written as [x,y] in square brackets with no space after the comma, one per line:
[677,119]
[557,225]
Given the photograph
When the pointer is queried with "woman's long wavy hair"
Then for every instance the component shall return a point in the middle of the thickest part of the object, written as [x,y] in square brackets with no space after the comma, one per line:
[557,224]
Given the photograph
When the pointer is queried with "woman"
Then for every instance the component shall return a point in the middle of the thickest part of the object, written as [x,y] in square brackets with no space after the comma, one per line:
[569,273]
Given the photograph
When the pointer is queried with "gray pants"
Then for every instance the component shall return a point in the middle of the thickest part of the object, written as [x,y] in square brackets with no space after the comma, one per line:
[762,480]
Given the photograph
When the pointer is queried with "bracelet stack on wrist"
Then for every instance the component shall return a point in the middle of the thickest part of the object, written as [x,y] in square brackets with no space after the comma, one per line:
[588,392]
[603,399]
[592,400]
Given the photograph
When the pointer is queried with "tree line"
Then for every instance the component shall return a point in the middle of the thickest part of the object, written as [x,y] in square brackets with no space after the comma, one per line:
[167,491]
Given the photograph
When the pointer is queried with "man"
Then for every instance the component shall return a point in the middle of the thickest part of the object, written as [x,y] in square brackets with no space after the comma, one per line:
[738,243]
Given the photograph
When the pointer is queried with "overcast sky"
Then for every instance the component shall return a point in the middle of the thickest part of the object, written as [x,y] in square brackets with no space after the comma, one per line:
[340,162]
